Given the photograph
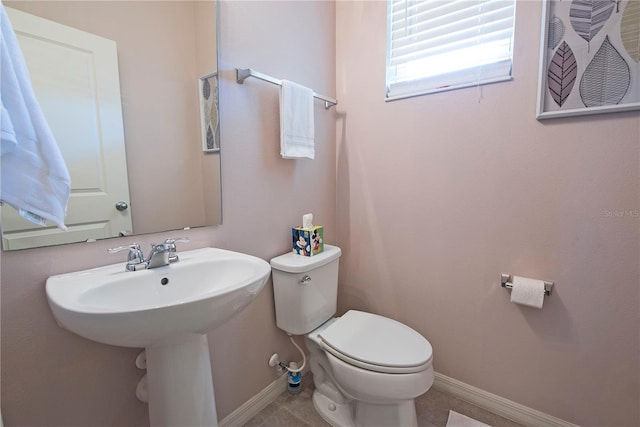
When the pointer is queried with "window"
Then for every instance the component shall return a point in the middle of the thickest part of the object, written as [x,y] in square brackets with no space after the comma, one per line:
[437,45]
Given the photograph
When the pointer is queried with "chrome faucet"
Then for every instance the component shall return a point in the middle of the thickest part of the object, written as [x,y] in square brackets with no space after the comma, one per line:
[160,255]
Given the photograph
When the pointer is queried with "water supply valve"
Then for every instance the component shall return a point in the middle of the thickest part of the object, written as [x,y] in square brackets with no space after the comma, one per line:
[274,362]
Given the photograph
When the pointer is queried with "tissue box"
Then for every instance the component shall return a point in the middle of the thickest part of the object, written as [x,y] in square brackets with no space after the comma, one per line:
[308,241]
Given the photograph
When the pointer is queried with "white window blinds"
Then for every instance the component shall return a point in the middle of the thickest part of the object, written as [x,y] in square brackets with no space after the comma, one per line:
[436,45]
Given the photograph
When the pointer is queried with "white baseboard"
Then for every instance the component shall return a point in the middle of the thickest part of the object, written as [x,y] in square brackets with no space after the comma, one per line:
[257,403]
[496,404]
[485,400]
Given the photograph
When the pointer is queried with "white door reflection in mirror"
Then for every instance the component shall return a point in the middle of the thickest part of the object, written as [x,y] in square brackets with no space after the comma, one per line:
[75,78]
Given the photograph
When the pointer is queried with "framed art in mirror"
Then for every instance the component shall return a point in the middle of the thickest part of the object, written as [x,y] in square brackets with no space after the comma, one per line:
[209,117]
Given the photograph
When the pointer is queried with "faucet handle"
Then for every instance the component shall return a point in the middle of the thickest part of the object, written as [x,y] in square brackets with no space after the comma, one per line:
[173,241]
[171,245]
[135,253]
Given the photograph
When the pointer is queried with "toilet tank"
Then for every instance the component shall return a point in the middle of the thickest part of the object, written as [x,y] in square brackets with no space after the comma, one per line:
[305,289]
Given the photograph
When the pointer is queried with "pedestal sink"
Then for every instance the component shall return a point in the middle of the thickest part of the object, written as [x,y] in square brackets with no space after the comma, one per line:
[166,310]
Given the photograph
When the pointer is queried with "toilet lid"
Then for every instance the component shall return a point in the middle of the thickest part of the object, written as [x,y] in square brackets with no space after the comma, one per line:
[376,343]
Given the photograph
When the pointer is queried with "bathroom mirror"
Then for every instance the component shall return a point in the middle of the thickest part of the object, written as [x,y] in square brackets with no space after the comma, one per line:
[143,73]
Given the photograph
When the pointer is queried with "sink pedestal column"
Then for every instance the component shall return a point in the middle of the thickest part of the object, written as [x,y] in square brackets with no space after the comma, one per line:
[180,384]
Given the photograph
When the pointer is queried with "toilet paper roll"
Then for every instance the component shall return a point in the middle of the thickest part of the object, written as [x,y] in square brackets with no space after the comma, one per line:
[529,292]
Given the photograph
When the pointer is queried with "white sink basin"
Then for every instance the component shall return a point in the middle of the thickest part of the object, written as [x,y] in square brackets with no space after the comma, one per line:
[144,308]
[167,310]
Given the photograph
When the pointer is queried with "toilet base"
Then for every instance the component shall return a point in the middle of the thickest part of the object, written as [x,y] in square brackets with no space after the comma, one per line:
[366,415]
[338,415]
[362,398]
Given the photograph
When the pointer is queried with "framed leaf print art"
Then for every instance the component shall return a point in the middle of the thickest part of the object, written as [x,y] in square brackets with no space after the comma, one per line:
[209,117]
[589,57]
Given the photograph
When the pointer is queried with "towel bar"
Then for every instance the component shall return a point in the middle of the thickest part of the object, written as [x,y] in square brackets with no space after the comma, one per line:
[507,279]
[244,73]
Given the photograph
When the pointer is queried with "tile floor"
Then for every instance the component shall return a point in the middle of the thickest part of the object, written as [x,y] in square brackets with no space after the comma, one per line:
[432,409]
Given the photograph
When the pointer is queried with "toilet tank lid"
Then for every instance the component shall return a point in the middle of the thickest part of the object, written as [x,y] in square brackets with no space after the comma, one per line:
[294,263]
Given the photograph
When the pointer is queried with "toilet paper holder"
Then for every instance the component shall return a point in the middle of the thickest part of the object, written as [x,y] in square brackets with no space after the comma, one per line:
[506,281]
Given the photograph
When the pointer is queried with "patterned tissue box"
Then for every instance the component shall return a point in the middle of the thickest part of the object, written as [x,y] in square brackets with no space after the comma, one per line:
[308,241]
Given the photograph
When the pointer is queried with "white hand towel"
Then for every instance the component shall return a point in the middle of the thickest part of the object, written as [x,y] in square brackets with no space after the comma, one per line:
[296,121]
[7,135]
[34,178]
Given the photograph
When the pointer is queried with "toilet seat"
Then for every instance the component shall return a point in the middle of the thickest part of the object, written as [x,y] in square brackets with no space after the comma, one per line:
[376,343]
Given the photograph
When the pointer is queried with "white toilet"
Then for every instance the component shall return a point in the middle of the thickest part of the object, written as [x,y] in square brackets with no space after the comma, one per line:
[367,369]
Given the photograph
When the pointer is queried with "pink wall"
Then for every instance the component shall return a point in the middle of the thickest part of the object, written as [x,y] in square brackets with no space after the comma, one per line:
[52,377]
[439,194]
